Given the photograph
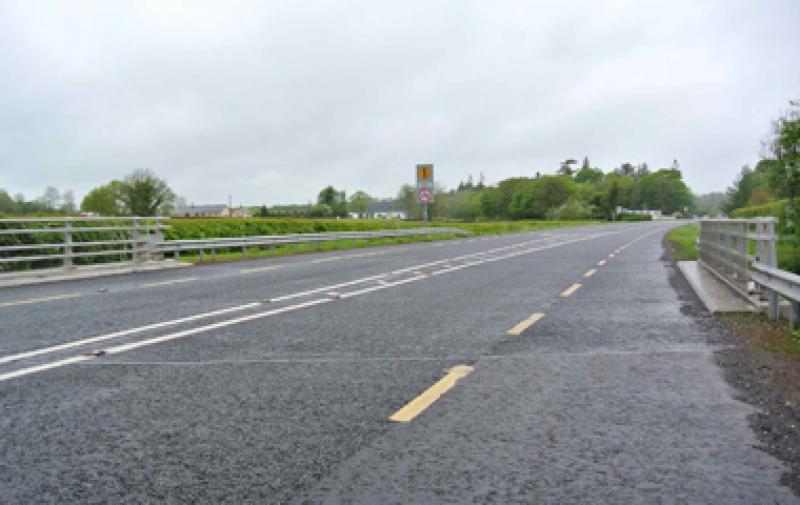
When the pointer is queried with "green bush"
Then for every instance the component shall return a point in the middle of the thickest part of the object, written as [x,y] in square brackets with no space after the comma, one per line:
[572,210]
[775,209]
[198,228]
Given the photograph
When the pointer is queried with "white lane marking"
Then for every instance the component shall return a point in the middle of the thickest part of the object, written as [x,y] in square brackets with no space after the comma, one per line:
[168,283]
[326,260]
[590,272]
[123,333]
[214,326]
[285,309]
[378,287]
[601,263]
[260,269]
[163,338]
[328,288]
[39,300]
[348,257]
[42,368]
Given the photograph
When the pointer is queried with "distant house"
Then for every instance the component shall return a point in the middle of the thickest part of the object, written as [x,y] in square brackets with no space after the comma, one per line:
[209,210]
[386,209]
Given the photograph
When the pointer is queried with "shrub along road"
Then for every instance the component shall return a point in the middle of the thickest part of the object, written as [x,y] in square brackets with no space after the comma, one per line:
[541,367]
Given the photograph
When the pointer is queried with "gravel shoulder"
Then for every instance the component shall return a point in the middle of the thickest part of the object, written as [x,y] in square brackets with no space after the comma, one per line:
[761,361]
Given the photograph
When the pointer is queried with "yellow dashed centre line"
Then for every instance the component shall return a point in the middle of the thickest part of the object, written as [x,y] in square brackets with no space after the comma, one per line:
[168,283]
[590,272]
[416,406]
[524,325]
[570,290]
[39,300]
[601,263]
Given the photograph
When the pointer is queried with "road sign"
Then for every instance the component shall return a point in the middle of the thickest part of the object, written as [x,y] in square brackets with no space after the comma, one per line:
[425,195]
[425,175]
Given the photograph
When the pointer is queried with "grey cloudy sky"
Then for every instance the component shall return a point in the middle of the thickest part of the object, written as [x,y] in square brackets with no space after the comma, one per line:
[269,101]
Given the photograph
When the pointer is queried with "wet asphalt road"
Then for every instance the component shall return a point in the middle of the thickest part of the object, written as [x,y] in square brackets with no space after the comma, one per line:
[273,381]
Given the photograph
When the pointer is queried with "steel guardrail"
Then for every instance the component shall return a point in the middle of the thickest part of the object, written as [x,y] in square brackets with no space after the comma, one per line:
[783,283]
[202,245]
[141,238]
[117,238]
[743,254]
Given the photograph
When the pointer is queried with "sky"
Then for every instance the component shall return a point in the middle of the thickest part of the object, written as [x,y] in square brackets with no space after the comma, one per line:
[270,101]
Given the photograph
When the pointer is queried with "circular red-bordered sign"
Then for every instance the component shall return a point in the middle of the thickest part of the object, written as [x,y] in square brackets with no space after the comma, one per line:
[425,195]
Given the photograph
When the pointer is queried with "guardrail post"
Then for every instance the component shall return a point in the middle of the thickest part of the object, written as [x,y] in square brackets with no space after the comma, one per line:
[202,255]
[774,307]
[213,255]
[67,244]
[794,315]
[136,254]
[244,251]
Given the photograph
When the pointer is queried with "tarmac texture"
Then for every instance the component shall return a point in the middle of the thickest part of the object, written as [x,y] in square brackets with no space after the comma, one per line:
[274,381]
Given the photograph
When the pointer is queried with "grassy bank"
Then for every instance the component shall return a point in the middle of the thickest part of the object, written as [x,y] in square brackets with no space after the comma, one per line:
[682,240]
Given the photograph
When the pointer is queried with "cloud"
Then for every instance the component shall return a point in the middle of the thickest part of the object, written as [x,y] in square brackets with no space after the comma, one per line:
[269,102]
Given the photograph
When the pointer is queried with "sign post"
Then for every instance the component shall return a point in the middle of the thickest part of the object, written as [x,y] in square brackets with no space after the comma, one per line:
[425,187]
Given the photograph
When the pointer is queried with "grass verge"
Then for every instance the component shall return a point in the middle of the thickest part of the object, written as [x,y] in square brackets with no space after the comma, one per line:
[761,333]
[682,240]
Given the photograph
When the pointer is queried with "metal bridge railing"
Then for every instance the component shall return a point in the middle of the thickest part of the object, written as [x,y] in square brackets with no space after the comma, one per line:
[213,245]
[138,239]
[67,239]
[727,247]
[743,254]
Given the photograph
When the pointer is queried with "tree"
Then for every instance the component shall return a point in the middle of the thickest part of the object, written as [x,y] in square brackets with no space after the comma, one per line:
[738,194]
[585,164]
[105,200]
[587,174]
[335,199]
[566,167]
[51,198]
[360,203]
[626,169]
[491,202]
[262,212]
[144,194]
[68,202]
[6,203]
[666,191]
[551,192]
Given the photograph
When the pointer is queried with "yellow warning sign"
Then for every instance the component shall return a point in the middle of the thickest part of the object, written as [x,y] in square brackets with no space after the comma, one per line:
[424,172]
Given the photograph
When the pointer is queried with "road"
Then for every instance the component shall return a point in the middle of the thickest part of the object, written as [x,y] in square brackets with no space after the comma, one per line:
[551,367]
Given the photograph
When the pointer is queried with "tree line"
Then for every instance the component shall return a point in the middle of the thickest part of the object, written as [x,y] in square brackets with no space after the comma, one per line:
[571,193]
[585,193]
[774,183]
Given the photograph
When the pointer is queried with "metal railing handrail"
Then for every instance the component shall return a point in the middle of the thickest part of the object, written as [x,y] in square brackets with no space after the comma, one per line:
[724,250]
[119,237]
[74,219]
[781,282]
[142,238]
[213,244]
